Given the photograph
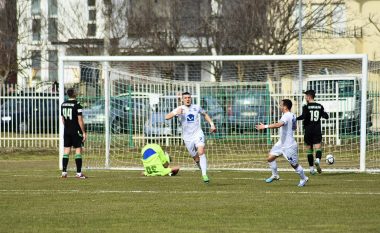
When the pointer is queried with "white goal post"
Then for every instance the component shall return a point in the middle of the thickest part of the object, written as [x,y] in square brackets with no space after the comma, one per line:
[150,85]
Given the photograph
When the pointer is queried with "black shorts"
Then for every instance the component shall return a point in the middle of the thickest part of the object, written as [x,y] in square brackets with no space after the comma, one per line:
[312,138]
[72,140]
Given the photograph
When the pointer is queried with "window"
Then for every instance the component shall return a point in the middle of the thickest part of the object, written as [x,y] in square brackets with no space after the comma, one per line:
[36,29]
[296,14]
[52,29]
[339,18]
[36,64]
[91,29]
[194,71]
[53,7]
[319,16]
[190,71]
[53,65]
[92,15]
[36,7]
[91,2]
[189,14]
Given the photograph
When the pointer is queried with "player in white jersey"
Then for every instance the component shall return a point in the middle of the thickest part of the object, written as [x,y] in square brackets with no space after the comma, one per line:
[192,133]
[286,146]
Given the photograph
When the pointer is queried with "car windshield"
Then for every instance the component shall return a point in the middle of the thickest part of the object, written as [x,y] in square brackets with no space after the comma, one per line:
[98,105]
[167,104]
[346,88]
[14,104]
[255,99]
[115,103]
[212,102]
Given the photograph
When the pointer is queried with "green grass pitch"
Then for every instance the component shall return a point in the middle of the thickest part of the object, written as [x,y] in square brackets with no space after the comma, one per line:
[34,199]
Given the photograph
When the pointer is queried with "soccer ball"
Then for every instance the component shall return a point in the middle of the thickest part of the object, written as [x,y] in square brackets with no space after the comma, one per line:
[330,159]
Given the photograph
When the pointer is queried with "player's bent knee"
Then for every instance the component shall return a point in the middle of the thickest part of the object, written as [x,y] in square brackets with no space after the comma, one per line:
[271,158]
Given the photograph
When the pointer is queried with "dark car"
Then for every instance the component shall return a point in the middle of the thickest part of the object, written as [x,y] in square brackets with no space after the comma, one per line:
[30,114]
[156,125]
[126,114]
[248,108]
[215,110]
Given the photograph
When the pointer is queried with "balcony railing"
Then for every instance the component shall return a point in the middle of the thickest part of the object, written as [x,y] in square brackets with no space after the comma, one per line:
[322,33]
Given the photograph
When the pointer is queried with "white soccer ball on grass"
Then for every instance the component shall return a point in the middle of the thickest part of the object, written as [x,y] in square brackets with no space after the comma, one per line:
[330,159]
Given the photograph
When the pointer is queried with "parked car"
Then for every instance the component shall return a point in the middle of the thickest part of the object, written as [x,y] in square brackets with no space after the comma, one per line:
[216,112]
[126,114]
[248,108]
[156,125]
[341,97]
[31,114]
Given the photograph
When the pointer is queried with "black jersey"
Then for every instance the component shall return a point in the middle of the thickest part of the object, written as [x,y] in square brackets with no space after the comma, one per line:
[70,110]
[312,114]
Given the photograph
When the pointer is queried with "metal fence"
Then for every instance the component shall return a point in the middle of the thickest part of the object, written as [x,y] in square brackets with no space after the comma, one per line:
[29,117]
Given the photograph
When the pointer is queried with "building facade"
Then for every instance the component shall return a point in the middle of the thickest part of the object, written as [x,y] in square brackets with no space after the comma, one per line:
[50,28]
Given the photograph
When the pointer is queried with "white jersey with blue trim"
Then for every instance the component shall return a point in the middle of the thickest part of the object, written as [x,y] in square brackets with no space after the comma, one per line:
[286,131]
[190,121]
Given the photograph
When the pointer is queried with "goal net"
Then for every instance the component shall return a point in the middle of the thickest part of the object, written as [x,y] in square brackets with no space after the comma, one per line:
[125,101]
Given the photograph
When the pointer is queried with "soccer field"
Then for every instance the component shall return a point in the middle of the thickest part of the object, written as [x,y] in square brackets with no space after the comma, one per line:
[35,199]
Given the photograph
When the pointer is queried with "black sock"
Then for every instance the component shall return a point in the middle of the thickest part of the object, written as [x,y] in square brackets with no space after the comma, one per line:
[65,162]
[310,158]
[78,162]
[318,154]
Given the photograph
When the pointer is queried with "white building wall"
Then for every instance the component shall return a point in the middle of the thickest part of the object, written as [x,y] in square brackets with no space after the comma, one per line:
[72,20]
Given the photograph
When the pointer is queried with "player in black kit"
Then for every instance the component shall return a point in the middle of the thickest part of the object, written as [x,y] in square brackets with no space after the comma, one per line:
[74,132]
[312,113]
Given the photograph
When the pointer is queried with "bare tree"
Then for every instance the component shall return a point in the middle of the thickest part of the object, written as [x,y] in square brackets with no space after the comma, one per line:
[260,27]
[375,22]
[8,42]
[15,22]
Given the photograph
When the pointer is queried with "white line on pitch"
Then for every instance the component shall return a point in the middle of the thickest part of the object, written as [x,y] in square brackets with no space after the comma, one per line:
[45,191]
[219,178]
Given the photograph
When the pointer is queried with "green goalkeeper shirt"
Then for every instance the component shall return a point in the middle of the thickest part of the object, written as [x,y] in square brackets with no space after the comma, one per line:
[153,158]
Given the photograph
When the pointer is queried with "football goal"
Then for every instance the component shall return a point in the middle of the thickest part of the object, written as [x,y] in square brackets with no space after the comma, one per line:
[126,98]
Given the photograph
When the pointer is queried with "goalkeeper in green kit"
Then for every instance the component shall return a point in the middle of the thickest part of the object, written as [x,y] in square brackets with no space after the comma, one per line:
[156,161]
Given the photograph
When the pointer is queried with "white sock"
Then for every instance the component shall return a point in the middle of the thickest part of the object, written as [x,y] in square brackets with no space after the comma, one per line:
[312,168]
[203,164]
[317,160]
[273,167]
[79,174]
[64,173]
[300,172]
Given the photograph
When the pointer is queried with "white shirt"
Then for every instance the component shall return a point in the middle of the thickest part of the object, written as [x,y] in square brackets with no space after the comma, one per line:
[286,131]
[190,121]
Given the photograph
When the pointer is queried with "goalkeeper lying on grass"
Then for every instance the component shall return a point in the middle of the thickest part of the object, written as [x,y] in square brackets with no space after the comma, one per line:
[156,161]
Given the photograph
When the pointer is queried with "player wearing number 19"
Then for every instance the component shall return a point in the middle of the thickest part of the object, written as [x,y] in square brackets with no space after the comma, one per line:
[74,132]
[312,113]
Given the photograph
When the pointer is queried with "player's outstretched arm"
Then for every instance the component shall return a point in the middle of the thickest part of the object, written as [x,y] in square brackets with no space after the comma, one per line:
[261,126]
[303,115]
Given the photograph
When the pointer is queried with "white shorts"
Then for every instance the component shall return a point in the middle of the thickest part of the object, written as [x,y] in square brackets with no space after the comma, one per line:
[290,153]
[192,145]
